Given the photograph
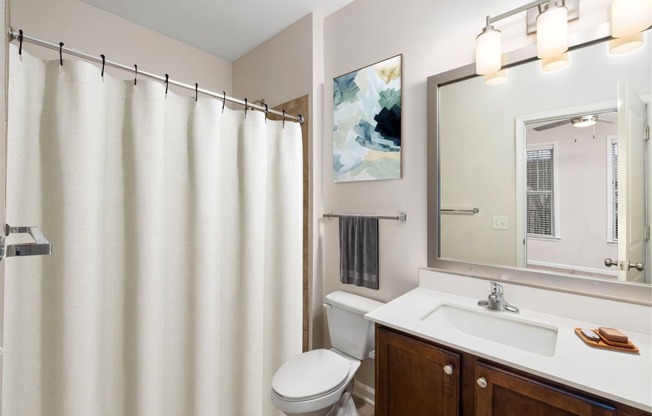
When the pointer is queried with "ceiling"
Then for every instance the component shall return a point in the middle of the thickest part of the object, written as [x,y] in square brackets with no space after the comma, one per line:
[226,28]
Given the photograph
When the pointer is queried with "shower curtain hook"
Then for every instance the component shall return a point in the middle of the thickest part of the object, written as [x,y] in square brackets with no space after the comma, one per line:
[61,53]
[167,79]
[246,105]
[301,119]
[283,118]
[266,110]
[196,87]
[20,42]
[135,73]
[103,63]
[223,100]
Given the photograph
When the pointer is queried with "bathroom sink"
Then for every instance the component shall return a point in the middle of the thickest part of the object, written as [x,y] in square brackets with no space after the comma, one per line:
[500,327]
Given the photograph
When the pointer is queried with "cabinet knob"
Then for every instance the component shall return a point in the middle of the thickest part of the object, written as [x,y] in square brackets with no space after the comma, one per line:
[448,369]
[482,382]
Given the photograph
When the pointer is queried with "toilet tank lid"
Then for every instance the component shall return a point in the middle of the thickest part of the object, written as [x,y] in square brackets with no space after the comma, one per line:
[351,302]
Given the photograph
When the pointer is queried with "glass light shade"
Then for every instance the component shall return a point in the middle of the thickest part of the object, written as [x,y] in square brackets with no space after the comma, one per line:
[626,44]
[555,63]
[630,16]
[488,51]
[496,78]
[552,32]
[584,121]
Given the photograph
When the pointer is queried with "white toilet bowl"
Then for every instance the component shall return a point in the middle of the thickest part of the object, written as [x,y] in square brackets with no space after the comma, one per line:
[316,383]
[320,382]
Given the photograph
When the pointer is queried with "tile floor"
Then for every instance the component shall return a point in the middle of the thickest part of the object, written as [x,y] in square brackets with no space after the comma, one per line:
[364,408]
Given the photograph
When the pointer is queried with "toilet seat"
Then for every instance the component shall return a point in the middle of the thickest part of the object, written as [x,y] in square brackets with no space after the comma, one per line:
[310,375]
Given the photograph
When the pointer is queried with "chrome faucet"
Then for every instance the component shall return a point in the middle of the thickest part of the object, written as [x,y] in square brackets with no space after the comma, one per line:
[496,301]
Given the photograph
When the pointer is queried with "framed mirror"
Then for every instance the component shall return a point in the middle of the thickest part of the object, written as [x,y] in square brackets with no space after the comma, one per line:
[519,191]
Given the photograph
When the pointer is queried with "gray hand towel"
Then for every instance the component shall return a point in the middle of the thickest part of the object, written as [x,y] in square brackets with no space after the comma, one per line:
[359,251]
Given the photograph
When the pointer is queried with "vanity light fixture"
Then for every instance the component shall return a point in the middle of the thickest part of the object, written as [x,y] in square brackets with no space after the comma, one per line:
[496,78]
[555,63]
[552,35]
[584,121]
[552,31]
[488,50]
[629,18]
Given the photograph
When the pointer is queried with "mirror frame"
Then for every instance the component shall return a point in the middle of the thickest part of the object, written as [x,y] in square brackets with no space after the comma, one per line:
[637,293]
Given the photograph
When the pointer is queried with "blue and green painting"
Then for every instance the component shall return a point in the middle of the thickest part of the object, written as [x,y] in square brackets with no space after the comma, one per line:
[367,123]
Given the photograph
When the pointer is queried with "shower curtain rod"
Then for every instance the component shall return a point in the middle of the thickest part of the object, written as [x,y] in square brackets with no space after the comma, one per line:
[21,37]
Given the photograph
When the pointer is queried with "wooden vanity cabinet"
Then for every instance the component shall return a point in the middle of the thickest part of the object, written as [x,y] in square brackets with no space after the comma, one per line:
[412,378]
[502,393]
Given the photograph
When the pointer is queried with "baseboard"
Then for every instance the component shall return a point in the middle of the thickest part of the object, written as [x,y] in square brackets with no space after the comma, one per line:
[364,392]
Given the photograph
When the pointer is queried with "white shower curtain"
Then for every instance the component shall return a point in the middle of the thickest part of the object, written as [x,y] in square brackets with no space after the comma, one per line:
[174,287]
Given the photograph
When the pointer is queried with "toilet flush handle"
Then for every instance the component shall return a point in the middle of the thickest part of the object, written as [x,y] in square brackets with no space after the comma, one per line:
[328,306]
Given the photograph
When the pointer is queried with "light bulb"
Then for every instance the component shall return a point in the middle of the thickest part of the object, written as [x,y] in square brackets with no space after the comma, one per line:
[626,44]
[496,78]
[555,63]
[488,51]
[630,16]
[552,32]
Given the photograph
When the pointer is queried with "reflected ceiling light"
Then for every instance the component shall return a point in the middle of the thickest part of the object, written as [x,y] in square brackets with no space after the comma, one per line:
[584,121]
[488,50]
[555,63]
[552,31]
[552,35]
[496,78]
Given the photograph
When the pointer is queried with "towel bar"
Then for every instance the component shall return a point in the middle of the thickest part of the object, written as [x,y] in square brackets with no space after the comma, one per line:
[470,211]
[400,217]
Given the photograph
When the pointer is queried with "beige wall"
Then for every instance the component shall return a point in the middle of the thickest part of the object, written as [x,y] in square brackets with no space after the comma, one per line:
[94,31]
[280,69]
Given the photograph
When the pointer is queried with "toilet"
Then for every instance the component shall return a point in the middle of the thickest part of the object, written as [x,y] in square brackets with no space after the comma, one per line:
[320,382]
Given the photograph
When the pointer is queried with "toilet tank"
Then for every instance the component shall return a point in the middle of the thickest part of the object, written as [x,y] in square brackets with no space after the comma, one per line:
[350,332]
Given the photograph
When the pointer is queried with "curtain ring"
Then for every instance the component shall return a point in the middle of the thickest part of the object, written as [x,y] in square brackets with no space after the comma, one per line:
[167,80]
[266,110]
[20,41]
[301,120]
[283,118]
[246,105]
[61,53]
[223,100]
[135,73]
[196,88]
[103,63]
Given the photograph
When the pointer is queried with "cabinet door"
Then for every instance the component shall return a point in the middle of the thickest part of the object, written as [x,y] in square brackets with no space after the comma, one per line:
[501,393]
[414,378]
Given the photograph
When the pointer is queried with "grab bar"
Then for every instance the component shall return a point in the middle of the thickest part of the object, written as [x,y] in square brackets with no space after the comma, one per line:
[40,247]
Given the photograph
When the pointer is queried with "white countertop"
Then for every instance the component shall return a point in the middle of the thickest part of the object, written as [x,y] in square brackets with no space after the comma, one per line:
[622,377]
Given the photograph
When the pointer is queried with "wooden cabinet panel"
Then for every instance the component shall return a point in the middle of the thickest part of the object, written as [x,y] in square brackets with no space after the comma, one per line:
[501,393]
[413,377]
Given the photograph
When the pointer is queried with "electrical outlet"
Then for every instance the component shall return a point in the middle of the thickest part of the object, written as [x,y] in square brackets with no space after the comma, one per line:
[500,223]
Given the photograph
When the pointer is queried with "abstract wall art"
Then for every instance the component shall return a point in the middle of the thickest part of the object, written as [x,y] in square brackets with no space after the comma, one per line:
[367,123]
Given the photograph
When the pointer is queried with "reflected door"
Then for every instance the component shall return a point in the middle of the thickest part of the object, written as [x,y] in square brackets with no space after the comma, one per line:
[631,180]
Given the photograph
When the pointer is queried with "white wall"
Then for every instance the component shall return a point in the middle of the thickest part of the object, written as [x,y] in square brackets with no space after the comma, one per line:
[94,31]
